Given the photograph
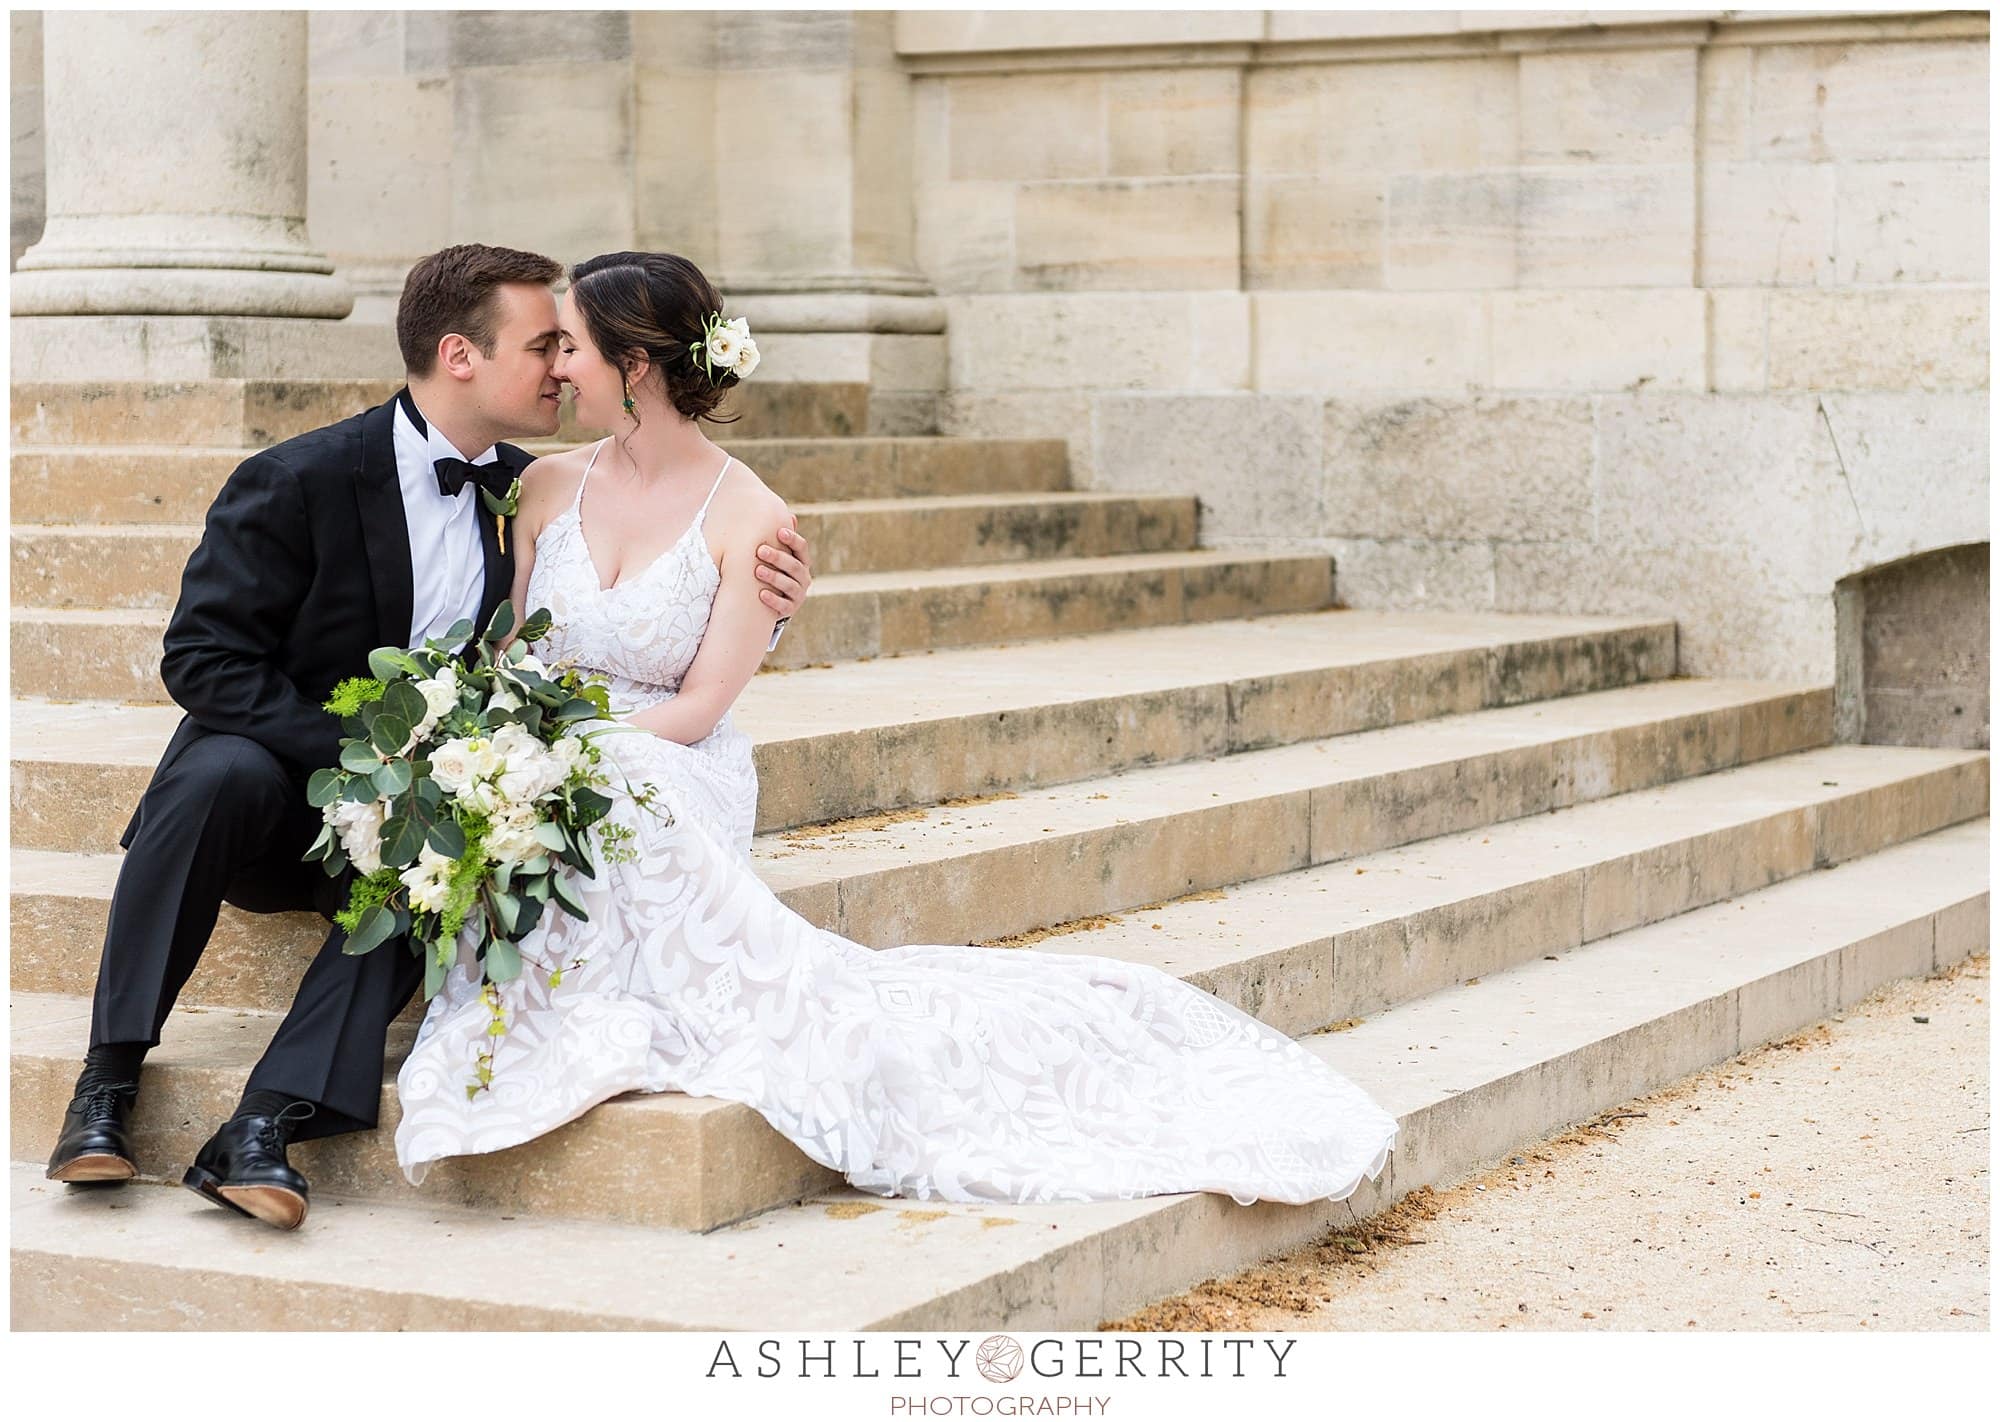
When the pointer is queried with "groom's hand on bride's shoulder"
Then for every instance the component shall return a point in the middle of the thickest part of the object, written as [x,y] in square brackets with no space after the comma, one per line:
[785,568]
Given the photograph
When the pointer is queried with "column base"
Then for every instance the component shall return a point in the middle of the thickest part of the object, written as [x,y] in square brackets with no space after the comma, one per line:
[178,291]
[170,348]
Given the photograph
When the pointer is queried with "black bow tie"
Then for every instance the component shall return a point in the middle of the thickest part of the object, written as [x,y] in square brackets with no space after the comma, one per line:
[454,474]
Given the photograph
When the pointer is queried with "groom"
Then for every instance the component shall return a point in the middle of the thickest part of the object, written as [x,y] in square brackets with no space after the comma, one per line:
[366,533]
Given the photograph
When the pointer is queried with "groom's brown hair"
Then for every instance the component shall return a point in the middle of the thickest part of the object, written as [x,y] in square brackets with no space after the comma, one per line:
[452,293]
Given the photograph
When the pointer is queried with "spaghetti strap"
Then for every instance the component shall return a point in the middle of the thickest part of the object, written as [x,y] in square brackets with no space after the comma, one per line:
[590,464]
[727,460]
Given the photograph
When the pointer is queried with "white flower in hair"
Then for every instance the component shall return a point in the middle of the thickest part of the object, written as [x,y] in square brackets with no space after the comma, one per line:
[725,347]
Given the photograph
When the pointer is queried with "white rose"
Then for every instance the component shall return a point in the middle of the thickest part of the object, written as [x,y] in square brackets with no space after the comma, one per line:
[567,753]
[429,880]
[440,694]
[452,767]
[481,797]
[512,838]
[359,825]
[747,358]
[531,776]
[724,345]
[486,761]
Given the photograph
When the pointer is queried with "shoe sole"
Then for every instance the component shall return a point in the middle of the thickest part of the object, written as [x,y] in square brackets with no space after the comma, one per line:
[93,1169]
[272,1204]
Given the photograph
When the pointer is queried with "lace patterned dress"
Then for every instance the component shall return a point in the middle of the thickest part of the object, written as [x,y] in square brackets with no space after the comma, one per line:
[932,1072]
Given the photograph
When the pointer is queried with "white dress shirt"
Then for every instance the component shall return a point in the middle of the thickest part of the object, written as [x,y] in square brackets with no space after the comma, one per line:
[447,561]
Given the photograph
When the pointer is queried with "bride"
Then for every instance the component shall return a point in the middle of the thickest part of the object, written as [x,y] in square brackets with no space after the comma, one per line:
[952,1073]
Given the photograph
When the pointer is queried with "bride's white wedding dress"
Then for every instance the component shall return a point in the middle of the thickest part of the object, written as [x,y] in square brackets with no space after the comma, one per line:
[949,1072]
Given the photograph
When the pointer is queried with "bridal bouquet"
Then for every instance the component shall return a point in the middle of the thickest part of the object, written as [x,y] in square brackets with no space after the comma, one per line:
[461,792]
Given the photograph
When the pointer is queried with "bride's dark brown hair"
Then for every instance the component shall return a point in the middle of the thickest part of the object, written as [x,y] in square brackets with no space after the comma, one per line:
[655,305]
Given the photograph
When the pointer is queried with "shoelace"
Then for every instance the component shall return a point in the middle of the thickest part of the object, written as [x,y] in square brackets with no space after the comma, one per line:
[276,1133]
[101,1103]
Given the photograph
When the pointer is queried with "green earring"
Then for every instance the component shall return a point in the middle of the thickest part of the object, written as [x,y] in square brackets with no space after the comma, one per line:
[628,394]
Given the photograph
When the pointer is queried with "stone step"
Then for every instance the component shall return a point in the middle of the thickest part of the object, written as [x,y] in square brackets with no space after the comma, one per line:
[113,566]
[174,484]
[82,654]
[1299,950]
[256,413]
[1470,1071]
[986,869]
[840,741]
[1401,921]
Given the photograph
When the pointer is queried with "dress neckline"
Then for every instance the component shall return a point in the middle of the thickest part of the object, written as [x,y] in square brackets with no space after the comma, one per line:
[583,539]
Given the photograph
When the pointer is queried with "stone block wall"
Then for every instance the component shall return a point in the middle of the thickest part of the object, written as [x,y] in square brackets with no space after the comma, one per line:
[1915,643]
[1678,312]
[433,127]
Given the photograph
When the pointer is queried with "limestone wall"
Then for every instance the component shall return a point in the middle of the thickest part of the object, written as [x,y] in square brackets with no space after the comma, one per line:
[1680,312]
[1669,311]
[433,127]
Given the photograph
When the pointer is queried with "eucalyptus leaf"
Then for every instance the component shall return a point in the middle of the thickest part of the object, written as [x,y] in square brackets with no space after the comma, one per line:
[377,924]
[501,623]
[321,845]
[402,838]
[531,914]
[538,887]
[447,838]
[503,876]
[507,909]
[551,836]
[433,977]
[568,898]
[393,778]
[503,961]
[323,788]
[459,633]
[389,734]
[538,865]
[383,664]
[359,757]
[403,701]
[591,806]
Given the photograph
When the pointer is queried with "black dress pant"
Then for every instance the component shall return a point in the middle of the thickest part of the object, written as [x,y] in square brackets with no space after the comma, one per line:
[226,820]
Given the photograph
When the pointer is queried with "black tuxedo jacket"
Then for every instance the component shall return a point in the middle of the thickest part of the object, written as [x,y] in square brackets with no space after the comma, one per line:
[303,569]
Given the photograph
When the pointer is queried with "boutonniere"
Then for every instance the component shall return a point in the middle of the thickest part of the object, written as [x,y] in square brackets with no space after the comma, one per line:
[503,507]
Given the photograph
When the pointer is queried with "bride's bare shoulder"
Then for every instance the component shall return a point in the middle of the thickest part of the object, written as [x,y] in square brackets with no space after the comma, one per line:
[550,482]
[748,505]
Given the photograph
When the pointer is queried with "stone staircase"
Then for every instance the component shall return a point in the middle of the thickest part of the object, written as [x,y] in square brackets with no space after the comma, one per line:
[1502,871]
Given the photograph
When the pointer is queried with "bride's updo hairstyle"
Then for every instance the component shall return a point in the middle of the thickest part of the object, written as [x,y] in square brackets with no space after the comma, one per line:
[657,305]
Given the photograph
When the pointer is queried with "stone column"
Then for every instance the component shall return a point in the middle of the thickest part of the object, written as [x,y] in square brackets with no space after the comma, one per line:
[176,159]
[813,228]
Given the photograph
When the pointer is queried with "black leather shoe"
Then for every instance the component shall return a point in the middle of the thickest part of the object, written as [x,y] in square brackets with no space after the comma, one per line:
[94,1147]
[243,1168]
